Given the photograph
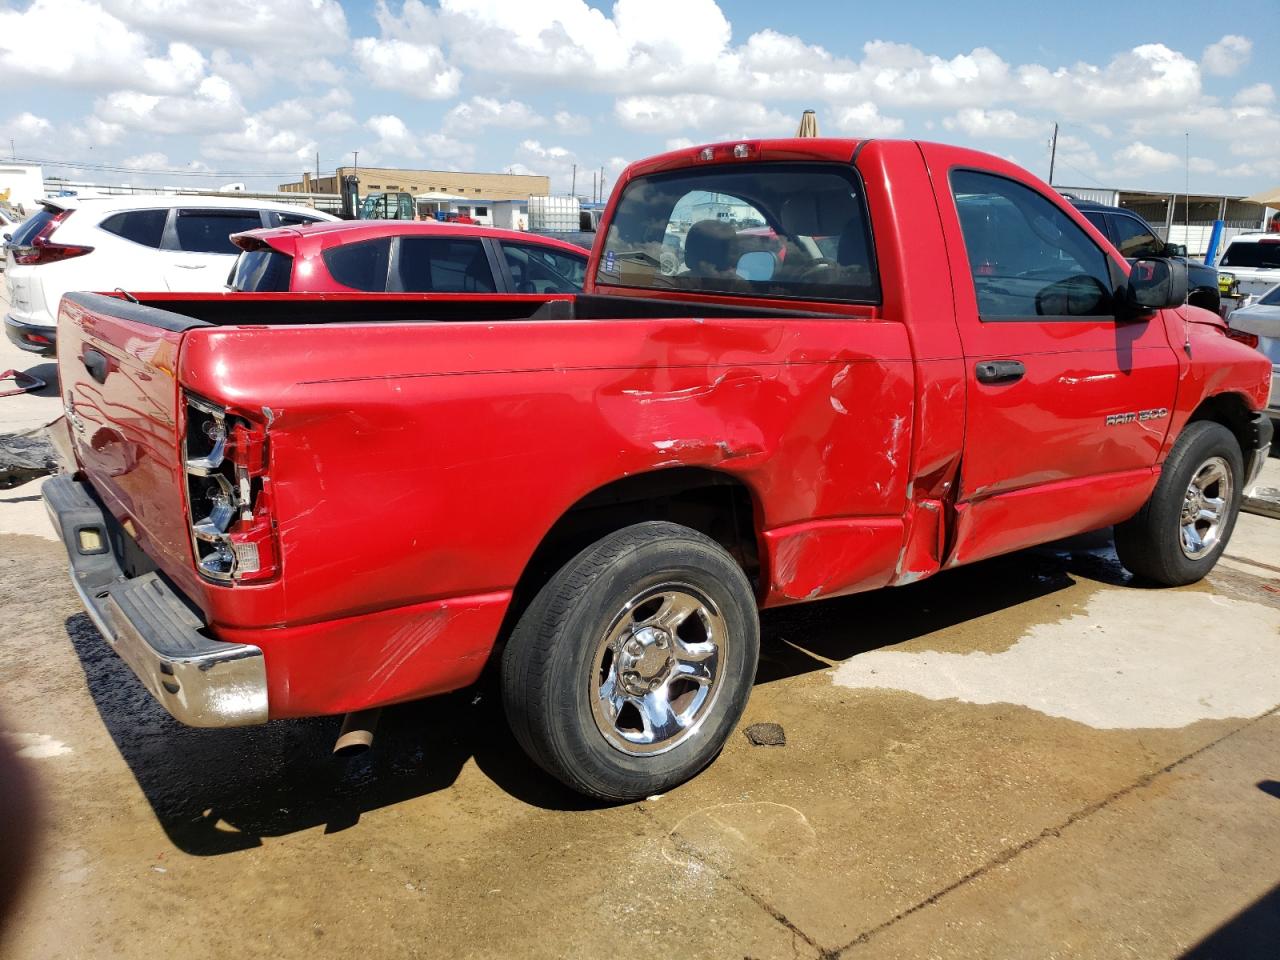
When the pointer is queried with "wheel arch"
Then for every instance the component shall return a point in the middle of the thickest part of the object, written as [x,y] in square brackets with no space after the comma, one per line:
[713,502]
[1232,411]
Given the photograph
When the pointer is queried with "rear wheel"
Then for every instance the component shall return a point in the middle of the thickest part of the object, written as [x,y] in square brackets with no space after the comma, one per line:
[1178,535]
[630,668]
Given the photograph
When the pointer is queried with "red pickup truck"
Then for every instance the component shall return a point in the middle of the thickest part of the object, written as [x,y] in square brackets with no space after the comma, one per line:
[284,505]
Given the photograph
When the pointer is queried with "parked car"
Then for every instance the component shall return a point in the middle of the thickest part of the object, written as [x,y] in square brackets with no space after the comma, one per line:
[1135,239]
[141,243]
[1258,325]
[394,256]
[1250,263]
[294,504]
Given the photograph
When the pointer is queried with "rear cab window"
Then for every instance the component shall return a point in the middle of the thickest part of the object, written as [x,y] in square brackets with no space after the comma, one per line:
[1259,254]
[145,227]
[278,218]
[209,231]
[1029,260]
[771,230]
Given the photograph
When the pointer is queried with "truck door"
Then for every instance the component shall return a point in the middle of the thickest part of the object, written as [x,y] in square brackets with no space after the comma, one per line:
[1067,407]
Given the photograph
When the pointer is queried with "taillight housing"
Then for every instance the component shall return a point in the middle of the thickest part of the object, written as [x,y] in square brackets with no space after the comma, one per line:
[1248,339]
[42,249]
[229,509]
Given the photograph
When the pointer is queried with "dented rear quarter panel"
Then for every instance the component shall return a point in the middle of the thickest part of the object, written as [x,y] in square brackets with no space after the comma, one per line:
[412,463]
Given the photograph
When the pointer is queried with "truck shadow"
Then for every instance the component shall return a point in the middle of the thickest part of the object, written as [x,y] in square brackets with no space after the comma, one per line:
[220,791]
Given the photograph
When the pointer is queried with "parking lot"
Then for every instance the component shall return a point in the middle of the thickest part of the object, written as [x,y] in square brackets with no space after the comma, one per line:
[1027,757]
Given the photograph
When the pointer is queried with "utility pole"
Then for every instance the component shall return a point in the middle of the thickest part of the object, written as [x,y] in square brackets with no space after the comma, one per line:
[12,152]
[317,169]
[1053,153]
[573,184]
[602,181]
[593,186]
[1186,208]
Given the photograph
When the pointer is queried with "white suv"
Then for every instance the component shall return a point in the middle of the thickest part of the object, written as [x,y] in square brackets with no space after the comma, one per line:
[133,243]
[1252,261]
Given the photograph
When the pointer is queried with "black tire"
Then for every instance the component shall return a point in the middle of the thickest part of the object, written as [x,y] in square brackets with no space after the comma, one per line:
[1150,544]
[551,669]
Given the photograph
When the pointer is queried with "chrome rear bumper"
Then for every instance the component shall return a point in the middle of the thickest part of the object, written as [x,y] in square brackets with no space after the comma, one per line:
[200,681]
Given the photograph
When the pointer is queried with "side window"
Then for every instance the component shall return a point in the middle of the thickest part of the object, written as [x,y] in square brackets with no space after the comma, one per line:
[209,231]
[539,270]
[1098,219]
[1028,258]
[139,226]
[1133,239]
[361,266]
[278,219]
[442,265]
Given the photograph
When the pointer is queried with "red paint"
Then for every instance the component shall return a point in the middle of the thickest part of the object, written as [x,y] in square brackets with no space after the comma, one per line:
[306,245]
[414,467]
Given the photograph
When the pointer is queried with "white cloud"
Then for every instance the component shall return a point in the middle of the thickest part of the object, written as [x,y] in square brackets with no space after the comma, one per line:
[572,123]
[977,122]
[397,143]
[480,112]
[393,136]
[260,143]
[418,69]
[1260,94]
[557,162]
[864,120]
[78,43]
[212,107]
[713,117]
[1139,158]
[1228,56]
[679,143]
[280,27]
[25,129]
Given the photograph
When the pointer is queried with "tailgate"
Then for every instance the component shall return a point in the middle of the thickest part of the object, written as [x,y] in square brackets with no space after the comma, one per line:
[117,364]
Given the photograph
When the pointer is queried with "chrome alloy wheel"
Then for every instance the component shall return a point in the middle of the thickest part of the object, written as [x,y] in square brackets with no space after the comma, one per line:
[1204,508]
[657,669]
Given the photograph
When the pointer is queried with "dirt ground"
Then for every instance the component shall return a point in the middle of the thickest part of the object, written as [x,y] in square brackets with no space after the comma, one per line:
[1026,758]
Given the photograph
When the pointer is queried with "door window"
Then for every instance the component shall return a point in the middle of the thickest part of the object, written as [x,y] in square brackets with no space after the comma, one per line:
[539,270]
[1098,219]
[1029,260]
[1133,239]
[140,226]
[209,231]
[361,266]
[443,265]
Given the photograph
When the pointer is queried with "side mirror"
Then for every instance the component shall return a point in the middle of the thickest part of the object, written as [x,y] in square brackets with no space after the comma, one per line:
[1156,285]
[1175,249]
[757,265]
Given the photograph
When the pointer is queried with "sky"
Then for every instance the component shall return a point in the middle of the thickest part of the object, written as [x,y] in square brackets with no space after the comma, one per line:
[209,92]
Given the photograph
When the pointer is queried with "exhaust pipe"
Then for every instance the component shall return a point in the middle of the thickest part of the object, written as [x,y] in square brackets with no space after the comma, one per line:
[356,735]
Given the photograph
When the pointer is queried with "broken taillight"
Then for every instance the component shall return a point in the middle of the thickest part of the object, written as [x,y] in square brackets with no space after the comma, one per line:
[228,494]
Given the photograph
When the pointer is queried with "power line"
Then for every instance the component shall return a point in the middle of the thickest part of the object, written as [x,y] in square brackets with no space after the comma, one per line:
[159,171]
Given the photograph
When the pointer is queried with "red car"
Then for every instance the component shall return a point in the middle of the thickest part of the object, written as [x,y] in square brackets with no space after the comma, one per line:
[299,504]
[388,256]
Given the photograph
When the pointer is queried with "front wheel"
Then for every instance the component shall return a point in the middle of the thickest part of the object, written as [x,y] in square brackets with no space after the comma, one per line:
[628,671]
[1178,535]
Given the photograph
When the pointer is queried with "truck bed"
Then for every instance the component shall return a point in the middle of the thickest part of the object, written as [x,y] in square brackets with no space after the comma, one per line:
[179,312]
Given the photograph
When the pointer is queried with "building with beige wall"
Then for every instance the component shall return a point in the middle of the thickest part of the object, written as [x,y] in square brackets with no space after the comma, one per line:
[482,186]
